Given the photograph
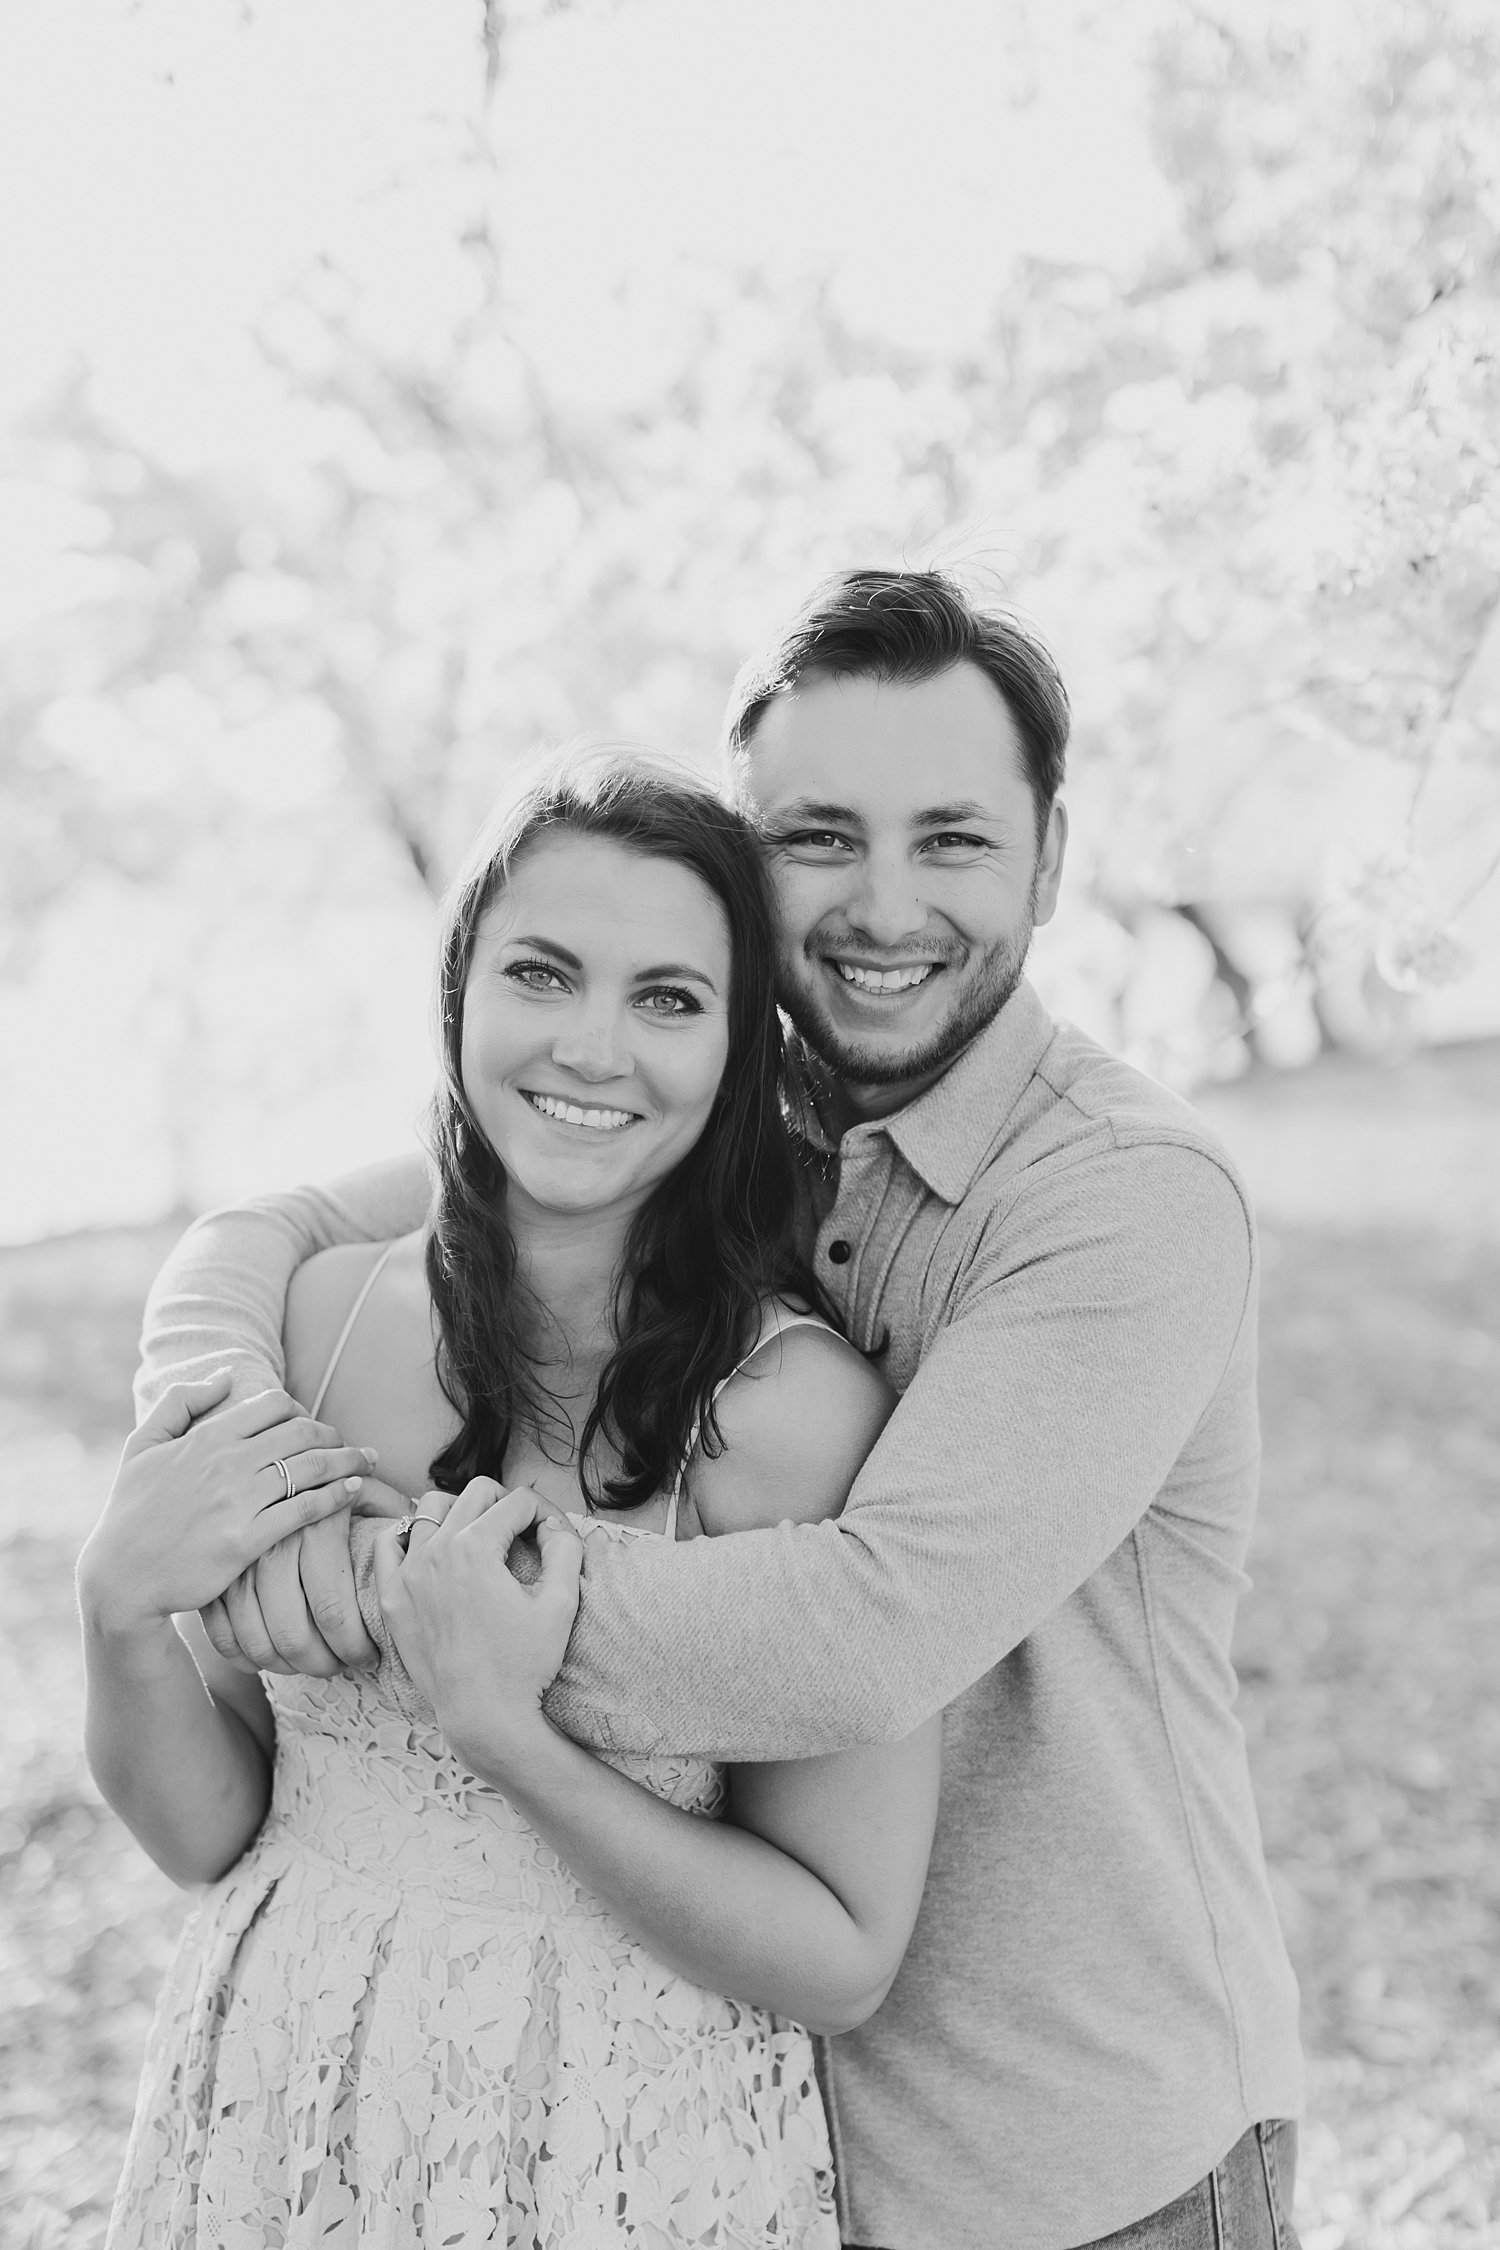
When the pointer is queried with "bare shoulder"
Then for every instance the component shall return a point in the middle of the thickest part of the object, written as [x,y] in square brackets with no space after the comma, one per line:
[797,1423]
[321,1294]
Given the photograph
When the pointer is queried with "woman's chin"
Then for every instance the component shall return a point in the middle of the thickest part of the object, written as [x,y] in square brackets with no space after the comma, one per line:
[577,1190]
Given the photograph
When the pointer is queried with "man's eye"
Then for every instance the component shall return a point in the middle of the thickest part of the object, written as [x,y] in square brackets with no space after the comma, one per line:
[951,840]
[818,840]
[536,976]
[669,1000]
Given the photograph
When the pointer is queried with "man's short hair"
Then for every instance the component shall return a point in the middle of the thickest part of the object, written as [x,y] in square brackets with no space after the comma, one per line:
[910,625]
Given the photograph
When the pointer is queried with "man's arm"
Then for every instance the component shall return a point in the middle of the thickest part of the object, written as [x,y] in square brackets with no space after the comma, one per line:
[1091,1336]
[219,1299]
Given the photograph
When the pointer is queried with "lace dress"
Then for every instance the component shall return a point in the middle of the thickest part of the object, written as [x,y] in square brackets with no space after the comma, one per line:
[399,2021]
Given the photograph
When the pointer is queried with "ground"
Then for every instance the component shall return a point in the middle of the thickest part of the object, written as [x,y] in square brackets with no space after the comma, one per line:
[1367,1653]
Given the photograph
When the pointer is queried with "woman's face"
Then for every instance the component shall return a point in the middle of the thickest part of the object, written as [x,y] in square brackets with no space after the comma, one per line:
[596,1022]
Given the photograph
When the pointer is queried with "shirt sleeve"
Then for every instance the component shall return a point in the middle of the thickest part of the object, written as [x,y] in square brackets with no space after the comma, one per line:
[220,1298]
[1091,1333]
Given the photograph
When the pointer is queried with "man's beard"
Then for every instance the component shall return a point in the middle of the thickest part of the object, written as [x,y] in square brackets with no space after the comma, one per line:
[993,984]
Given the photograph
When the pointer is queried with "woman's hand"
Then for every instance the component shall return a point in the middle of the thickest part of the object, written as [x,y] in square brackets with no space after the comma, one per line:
[482,1647]
[297,1609]
[199,1496]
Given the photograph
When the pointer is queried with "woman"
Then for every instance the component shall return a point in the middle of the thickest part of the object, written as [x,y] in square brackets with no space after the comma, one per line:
[463,1982]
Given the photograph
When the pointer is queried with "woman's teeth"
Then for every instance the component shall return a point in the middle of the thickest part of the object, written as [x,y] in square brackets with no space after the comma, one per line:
[569,1113]
[885,980]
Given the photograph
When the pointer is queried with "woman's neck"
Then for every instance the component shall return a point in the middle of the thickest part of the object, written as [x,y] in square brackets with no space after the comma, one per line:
[569,1263]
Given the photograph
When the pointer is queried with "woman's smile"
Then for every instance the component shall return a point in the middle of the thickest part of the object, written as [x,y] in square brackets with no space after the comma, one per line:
[558,1109]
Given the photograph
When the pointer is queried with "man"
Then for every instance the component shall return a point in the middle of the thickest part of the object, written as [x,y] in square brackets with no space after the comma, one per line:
[1094,2032]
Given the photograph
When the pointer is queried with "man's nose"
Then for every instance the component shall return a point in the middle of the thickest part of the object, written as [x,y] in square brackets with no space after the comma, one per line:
[885,902]
[589,1045]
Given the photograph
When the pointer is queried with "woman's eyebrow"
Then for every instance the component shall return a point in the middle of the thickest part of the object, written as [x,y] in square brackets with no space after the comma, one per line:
[545,945]
[677,969]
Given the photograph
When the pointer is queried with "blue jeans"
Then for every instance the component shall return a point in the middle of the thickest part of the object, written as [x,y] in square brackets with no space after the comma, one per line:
[1244,2204]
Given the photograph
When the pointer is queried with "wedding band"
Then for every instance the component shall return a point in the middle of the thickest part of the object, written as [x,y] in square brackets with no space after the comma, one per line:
[419,1518]
[286,1477]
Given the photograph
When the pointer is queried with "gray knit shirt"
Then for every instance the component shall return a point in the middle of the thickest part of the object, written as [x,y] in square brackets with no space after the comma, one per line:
[1048,1541]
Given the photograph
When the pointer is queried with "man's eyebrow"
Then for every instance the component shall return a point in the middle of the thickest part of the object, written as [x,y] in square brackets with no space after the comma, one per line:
[814,810]
[954,815]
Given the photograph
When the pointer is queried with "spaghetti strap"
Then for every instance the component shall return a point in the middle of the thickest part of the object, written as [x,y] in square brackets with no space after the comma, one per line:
[347,1330]
[775,1320]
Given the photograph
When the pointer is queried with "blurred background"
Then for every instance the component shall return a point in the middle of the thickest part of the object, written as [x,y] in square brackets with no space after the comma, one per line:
[387,390]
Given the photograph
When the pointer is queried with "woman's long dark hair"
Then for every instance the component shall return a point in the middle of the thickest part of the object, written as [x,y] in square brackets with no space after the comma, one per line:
[715,1238]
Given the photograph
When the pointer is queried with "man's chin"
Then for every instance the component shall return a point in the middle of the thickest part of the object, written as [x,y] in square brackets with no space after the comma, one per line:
[887,1062]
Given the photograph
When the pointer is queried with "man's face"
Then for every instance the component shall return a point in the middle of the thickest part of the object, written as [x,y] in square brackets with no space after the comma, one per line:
[901,832]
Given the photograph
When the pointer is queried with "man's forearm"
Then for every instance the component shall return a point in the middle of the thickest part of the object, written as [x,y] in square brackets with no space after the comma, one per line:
[219,1299]
[1041,1426]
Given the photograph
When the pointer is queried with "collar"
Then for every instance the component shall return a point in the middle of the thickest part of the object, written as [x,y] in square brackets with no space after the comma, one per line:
[946,1133]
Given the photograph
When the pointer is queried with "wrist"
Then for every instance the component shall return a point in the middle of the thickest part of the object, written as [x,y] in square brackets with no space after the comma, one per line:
[501,1746]
[106,1609]
[129,1636]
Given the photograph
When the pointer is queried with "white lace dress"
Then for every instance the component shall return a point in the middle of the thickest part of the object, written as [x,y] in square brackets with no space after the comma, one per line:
[399,2021]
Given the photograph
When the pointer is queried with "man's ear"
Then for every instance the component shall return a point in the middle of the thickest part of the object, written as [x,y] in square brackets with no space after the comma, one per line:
[1050,864]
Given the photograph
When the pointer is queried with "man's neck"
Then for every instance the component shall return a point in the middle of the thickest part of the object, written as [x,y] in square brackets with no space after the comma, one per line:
[845,1103]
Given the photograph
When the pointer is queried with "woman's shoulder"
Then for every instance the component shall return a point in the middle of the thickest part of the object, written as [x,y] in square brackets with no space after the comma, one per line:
[797,1419]
[326,1288]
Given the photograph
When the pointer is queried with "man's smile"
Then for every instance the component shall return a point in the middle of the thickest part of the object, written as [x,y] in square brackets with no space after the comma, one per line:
[901,979]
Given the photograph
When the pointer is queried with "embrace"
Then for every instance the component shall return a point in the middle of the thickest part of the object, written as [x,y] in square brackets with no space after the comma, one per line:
[777,1784]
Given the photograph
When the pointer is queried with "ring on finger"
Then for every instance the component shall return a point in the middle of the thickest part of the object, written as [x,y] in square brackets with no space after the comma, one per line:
[289,1491]
[404,1527]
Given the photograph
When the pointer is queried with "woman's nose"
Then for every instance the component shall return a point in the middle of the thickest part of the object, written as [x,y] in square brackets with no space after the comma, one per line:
[589,1045]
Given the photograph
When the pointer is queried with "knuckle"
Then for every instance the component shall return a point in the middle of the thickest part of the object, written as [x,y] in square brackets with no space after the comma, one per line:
[330,1614]
[315,1466]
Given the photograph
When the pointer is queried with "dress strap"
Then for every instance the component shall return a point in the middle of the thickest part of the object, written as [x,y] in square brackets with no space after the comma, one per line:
[347,1330]
[775,1320]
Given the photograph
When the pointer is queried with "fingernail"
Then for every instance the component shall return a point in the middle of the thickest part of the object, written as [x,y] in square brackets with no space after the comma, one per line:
[370,1454]
[353,1484]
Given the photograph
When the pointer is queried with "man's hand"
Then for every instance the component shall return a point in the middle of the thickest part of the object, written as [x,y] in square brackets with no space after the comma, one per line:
[297,1611]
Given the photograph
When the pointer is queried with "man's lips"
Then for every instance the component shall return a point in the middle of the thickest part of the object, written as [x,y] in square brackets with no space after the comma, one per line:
[870,977]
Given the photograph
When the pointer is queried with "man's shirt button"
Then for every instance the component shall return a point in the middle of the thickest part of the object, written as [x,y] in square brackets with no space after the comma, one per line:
[838,1253]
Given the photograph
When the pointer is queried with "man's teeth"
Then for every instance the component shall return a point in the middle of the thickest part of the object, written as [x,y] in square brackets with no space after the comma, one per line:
[602,1120]
[885,980]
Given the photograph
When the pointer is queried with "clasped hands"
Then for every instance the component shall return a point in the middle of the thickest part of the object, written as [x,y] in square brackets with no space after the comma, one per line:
[243,1513]
[480,1644]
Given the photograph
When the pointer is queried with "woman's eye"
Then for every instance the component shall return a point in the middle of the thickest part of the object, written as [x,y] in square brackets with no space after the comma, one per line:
[669,1000]
[536,976]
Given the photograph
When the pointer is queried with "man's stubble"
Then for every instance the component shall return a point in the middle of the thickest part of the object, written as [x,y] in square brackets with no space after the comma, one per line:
[993,985]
